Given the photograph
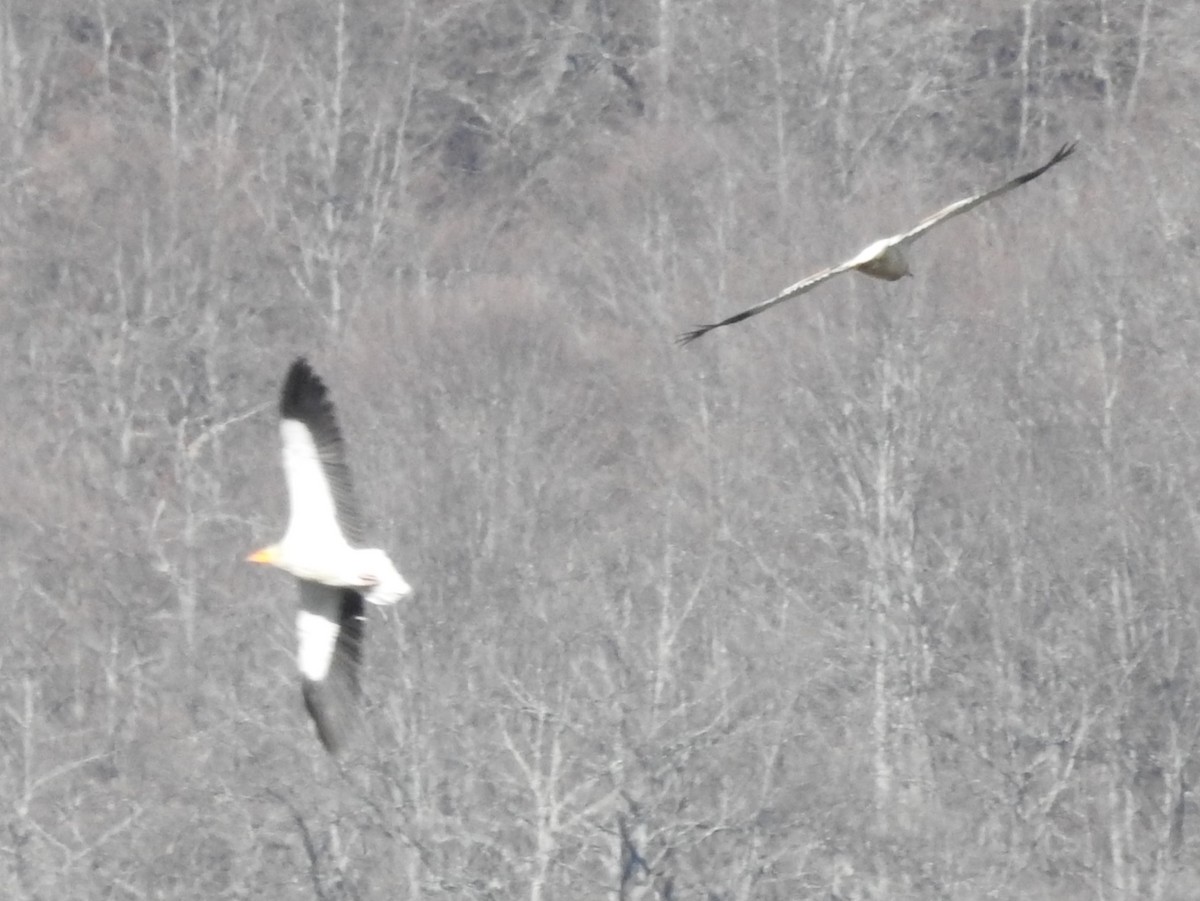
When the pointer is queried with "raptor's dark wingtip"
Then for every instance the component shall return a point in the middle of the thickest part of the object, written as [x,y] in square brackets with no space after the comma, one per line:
[683,339]
[1064,151]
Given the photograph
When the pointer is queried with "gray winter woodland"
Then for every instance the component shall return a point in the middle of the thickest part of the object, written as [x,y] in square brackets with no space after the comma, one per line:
[892,592]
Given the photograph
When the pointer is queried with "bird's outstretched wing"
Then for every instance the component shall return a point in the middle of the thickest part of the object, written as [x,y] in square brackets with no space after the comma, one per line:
[320,494]
[329,627]
[801,287]
[969,203]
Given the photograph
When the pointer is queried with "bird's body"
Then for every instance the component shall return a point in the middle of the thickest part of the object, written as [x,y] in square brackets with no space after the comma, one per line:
[885,261]
[885,258]
[335,576]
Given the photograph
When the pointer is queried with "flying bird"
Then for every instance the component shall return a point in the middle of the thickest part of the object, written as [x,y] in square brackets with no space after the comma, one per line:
[884,258]
[335,575]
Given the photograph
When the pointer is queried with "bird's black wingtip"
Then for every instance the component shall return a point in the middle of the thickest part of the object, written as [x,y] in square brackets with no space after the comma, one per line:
[1064,151]
[331,733]
[683,339]
[302,390]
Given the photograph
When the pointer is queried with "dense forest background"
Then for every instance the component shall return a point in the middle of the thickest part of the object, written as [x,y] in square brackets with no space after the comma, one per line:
[890,593]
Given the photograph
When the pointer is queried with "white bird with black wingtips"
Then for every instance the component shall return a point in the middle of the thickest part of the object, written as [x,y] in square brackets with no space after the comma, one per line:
[884,258]
[335,575]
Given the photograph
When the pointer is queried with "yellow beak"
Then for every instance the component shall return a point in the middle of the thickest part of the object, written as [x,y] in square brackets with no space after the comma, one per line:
[266,555]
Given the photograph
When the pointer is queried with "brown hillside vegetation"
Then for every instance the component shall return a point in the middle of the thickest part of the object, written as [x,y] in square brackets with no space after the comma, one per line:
[889,593]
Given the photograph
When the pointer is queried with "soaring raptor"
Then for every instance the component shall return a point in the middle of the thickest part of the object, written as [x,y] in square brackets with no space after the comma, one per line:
[884,258]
